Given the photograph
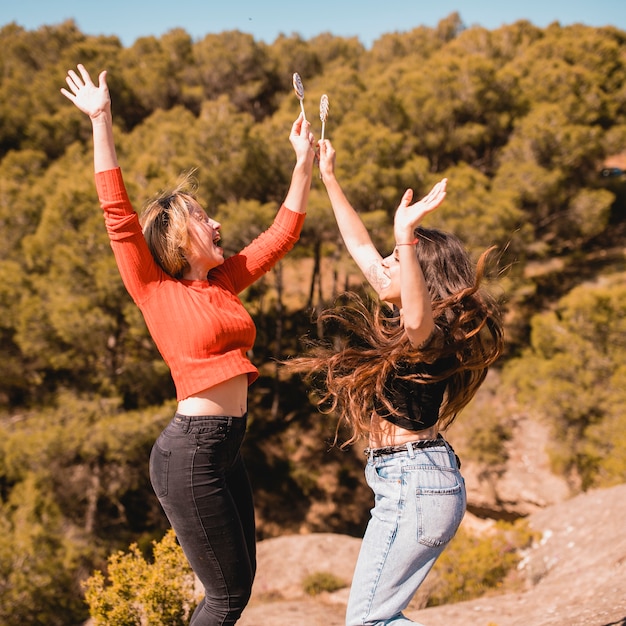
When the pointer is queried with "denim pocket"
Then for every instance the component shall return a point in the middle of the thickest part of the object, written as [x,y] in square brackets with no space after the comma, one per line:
[210,433]
[390,473]
[159,467]
[440,505]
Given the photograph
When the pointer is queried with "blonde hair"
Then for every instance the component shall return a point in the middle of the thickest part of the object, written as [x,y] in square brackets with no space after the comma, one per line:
[165,221]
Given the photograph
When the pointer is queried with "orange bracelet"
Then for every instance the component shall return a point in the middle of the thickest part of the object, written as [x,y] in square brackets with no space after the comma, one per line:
[410,243]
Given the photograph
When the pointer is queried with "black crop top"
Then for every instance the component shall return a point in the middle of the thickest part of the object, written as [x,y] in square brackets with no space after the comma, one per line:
[417,404]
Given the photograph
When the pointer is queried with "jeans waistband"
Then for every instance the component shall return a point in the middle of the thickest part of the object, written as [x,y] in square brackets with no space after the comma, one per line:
[192,422]
[420,443]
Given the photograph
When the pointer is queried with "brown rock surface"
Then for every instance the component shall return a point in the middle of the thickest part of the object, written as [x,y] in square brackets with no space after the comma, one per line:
[526,484]
[575,576]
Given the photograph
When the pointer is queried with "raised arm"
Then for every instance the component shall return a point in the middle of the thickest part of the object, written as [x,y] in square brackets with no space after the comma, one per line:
[95,102]
[260,255]
[416,304]
[303,143]
[414,295]
[353,232]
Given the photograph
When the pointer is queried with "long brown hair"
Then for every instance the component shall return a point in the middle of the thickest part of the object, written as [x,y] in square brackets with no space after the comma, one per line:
[368,344]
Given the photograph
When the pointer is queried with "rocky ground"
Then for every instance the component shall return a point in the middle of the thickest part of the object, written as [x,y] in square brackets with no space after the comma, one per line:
[574,576]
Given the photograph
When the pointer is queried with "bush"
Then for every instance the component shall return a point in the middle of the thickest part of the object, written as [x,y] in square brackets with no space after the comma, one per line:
[473,565]
[318,582]
[136,592]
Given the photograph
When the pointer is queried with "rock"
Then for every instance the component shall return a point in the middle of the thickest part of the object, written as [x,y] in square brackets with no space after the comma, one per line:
[574,576]
[526,483]
[286,561]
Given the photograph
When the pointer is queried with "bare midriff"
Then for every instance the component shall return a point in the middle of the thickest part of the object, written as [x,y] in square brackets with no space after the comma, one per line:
[384,433]
[227,398]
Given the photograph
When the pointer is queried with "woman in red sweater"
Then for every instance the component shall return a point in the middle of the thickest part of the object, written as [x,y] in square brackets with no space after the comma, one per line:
[175,271]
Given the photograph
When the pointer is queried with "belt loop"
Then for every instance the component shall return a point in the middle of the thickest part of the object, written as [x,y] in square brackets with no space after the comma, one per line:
[445,442]
[409,448]
[454,457]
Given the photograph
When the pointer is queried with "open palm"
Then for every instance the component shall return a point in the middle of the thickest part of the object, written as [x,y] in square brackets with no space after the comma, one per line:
[408,216]
[89,98]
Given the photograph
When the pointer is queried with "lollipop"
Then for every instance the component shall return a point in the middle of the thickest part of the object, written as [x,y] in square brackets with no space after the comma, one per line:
[299,89]
[323,112]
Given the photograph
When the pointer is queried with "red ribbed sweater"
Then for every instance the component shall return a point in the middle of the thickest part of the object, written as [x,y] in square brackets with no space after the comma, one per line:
[200,327]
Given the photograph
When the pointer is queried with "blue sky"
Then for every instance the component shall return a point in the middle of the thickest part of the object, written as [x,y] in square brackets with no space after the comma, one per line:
[365,19]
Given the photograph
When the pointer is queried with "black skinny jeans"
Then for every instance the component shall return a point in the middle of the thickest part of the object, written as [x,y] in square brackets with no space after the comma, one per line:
[200,479]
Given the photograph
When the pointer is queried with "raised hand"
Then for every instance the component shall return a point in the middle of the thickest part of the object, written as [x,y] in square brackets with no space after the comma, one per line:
[89,98]
[408,215]
[95,101]
[302,140]
[327,159]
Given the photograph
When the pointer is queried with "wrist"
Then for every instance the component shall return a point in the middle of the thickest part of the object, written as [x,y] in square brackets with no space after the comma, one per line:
[101,119]
[303,164]
[301,174]
[405,242]
[328,178]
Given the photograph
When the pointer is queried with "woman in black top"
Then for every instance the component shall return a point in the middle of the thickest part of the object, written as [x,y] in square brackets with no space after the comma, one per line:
[400,380]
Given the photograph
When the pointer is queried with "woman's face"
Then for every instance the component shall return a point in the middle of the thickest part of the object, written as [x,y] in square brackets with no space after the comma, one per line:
[390,280]
[204,251]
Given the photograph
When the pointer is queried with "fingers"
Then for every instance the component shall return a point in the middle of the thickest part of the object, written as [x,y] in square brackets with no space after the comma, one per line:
[305,131]
[439,188]
[326,156]
[436,195]
[311,139]
[85,74]
[301,126]
[301,129]
[67,94]
[326,148]
[75,82]
[297,125]
[82,92]
[407,197]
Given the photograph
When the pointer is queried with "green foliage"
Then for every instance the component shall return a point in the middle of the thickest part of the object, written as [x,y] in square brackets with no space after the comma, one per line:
[495,214]
[472,565]
[520,119]
[135,591]
[319,582]
[233,63]
[520,141]
[486,427]
[93,456]
[573,374]
[39,558]
[152,66]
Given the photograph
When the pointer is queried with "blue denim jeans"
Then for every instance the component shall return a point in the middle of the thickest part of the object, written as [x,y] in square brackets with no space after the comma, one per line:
[200,479]
[419,503]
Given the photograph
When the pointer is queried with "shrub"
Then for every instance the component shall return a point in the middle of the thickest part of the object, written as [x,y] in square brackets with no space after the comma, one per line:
[473,565]
[318,582]
[136,592]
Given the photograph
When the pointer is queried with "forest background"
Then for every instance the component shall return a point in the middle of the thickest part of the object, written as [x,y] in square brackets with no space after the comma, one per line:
[528,125]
